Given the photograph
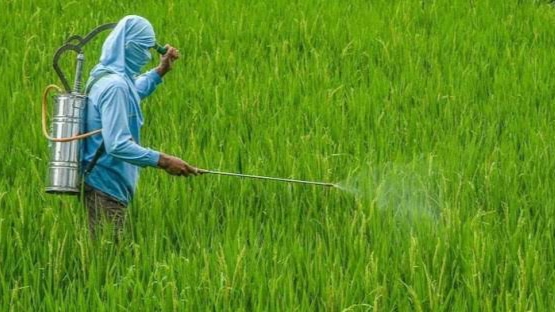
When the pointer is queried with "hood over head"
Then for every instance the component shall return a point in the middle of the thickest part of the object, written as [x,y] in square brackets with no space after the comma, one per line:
[126,49]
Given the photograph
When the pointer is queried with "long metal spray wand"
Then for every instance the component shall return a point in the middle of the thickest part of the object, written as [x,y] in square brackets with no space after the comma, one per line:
[250,176]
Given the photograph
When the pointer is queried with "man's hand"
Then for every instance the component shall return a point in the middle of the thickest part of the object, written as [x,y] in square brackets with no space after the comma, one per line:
[176,166]
[166,60]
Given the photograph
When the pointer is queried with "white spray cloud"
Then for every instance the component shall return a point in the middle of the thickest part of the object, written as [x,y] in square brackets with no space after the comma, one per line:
[409,190]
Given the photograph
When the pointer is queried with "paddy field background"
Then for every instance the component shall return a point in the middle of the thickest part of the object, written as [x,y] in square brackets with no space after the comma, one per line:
[436,118]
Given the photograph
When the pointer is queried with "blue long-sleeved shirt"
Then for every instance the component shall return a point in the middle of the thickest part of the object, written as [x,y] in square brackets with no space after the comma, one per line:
[114,105]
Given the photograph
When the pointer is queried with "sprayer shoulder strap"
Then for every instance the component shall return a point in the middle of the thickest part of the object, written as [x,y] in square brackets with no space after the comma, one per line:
[101,149]
[95,80]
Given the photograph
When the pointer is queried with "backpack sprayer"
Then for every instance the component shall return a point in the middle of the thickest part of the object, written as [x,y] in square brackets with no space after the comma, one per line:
[64,172]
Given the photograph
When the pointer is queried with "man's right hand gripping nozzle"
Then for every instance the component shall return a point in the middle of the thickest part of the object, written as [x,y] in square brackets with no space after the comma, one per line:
[176,166]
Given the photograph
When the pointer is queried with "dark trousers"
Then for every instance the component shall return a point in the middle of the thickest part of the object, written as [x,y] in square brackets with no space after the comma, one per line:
[102,210]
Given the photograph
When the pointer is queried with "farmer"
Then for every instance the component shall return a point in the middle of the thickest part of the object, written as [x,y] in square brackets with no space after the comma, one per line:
[115,91]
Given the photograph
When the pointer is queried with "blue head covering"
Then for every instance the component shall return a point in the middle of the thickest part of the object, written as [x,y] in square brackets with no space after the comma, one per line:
[126,50]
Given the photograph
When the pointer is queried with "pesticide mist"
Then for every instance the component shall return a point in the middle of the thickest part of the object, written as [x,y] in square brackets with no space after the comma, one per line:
[408,190]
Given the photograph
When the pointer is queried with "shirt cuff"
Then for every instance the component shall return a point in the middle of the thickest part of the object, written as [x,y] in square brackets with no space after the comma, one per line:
[153,74]
[152,158]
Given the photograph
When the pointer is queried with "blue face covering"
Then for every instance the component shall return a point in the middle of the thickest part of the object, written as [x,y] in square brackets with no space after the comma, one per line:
[126,50]
[136,57]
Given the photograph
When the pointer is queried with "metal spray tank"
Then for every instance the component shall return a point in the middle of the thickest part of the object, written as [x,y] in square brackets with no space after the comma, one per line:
[64,174]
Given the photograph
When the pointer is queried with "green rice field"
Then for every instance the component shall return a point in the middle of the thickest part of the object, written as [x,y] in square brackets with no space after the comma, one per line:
[434,118]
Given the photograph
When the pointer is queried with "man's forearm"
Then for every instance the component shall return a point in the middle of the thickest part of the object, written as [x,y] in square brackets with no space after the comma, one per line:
[147,83]
[162,70]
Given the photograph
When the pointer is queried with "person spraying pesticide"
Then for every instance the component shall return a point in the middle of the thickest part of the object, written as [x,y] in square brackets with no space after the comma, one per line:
[94,140]
[115,93]
[95,136]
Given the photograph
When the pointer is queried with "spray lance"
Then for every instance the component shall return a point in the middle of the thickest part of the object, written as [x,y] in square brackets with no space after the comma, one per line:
[67,122]
[250,176]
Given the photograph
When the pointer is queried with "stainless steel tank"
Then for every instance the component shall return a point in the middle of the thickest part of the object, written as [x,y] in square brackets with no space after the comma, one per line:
[64,169]
[64,172]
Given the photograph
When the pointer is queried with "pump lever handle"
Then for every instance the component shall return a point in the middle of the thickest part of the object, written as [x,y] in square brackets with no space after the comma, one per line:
[160,49]
[75,43]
